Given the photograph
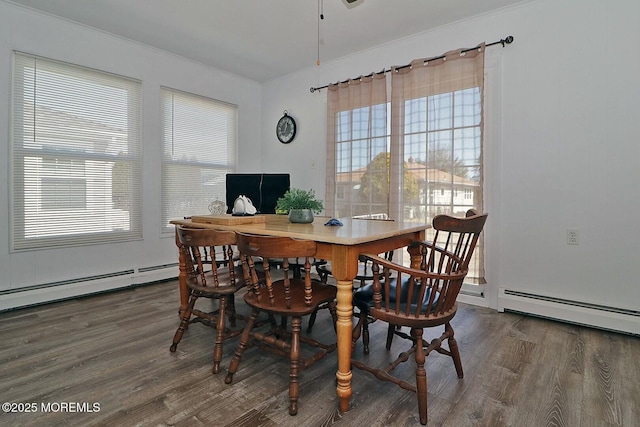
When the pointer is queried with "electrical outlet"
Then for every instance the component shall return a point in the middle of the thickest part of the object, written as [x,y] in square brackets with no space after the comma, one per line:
[573,236]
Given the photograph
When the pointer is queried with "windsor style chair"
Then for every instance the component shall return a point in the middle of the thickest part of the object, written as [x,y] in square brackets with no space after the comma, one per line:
[420,298]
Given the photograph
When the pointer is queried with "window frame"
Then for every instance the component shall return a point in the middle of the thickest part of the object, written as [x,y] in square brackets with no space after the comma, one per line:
[90,120]
[202,159]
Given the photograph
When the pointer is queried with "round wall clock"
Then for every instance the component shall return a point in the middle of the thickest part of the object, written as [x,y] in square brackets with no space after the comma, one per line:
[286,128]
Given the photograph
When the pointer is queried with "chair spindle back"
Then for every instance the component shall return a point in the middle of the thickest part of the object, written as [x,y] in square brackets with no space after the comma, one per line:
[203,249]
[254,247]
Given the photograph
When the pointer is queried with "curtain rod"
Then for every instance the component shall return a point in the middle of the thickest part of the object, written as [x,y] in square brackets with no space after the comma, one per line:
[507,40]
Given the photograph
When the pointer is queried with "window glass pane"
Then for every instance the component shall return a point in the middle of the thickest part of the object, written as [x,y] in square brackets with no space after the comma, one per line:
[343,126]
[379,121]
[415,147]
[416,111]
[360,123]
[439,150]
[440,111]
[362,181]
[467,110]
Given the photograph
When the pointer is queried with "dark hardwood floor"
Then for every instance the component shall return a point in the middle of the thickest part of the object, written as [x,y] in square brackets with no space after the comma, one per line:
[113,350]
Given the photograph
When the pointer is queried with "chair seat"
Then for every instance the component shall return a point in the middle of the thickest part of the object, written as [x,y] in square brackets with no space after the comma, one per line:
[321,294]
[363,296]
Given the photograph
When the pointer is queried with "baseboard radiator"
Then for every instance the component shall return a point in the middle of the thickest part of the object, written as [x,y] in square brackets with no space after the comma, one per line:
[81,286]
[593,315]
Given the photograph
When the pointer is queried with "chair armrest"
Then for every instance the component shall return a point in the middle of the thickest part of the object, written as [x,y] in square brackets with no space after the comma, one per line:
[415,272]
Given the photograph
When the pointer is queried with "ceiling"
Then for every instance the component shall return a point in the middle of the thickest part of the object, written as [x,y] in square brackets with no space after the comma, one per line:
[262,39]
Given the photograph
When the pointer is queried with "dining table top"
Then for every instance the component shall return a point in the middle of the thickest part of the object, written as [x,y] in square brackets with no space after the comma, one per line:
[353,231]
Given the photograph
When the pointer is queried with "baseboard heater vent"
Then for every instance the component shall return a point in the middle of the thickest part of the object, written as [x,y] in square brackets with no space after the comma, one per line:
[157,267]
[69,282]
[623,311]
[599,316]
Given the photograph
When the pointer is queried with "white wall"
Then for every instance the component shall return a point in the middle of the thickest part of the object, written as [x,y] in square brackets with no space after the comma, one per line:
[562,147]
[39,34]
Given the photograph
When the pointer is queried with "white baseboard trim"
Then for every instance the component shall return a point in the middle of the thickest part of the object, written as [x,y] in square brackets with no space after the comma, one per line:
[46,293]
[473,300]
[593,315]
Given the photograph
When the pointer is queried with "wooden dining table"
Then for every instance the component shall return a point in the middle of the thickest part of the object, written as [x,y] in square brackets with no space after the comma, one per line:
[341,245]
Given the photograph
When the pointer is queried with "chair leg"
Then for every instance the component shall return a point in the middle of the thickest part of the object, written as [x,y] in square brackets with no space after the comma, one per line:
[242,345]
[231,310]
[324,277]
[220,332]
[272,321]
[365,333]
[312,316]
[421,375]
[294,357]
[391,331]
[184,322]
[357,331]
[312,320]
[455,351]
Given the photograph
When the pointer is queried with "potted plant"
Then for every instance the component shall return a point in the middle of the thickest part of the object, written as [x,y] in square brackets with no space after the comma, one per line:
[299,204]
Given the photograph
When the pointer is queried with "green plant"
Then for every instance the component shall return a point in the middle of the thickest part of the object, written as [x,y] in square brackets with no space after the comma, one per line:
[299,199]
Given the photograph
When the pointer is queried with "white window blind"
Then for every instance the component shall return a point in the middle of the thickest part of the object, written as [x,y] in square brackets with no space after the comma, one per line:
[199,137]
[75,159]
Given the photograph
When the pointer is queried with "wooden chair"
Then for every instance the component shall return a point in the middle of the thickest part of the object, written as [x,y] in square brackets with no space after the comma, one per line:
[211,273]
[362,300]
[421,298]
[287,297]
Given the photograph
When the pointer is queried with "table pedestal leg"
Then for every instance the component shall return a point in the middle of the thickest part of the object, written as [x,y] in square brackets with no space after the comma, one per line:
[182,279]
[344,328]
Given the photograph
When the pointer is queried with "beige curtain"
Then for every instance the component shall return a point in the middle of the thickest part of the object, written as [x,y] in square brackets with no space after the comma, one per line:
[356,128]
[456,71]
[436,137]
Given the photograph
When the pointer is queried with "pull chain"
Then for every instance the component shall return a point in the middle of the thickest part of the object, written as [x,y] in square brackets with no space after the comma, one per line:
[320,17]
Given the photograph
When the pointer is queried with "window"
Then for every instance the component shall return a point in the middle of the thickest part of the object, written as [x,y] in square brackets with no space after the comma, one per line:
[358,148]
[427,159]
[362,169]
[442,147]
[199,139]
[439,111]
[75,157]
